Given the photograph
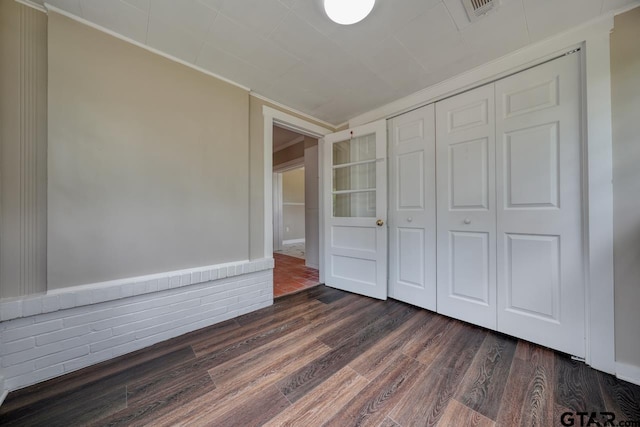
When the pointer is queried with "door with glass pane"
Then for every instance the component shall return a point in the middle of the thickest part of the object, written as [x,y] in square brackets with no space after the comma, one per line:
[355,203]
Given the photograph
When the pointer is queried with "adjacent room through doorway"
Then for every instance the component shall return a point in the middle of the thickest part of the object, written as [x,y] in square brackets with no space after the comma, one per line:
[295,211]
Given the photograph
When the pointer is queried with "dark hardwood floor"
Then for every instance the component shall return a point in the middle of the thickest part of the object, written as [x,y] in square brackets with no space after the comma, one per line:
[326,357]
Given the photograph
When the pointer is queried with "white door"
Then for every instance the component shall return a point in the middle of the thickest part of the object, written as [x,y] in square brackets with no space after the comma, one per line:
[540,267]
[412,211]
[354,183]
[466,217]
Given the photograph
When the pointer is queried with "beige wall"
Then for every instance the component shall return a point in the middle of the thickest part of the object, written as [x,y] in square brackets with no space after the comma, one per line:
[23,149]
[148,161]
[625,93]
[256,170]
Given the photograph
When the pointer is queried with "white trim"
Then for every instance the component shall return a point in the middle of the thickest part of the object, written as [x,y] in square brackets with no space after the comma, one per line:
[294,111]
[277,212]
[142,45]
[271,116]
[593,39]
[321,218]
[292,241]
[78,296]
[39,8]
[628,372]
[290,165]
[293,142]
[600,324]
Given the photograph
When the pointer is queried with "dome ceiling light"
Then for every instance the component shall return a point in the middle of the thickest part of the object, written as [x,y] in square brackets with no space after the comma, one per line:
[347,12]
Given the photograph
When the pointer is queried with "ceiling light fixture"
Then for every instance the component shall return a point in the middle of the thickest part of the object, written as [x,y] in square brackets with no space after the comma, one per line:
[347,12]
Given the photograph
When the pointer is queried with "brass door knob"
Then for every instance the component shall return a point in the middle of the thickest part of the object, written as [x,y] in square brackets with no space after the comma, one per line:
[379,223]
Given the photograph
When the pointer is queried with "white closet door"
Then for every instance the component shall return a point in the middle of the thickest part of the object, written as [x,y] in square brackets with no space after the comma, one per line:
[412,213]
[466,217]
[540,267]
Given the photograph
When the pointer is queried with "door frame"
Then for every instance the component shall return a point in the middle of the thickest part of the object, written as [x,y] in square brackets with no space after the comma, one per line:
[593,41]
[273,116]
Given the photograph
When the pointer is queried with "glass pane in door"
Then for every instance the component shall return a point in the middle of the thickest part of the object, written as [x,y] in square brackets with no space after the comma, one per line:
[354,177]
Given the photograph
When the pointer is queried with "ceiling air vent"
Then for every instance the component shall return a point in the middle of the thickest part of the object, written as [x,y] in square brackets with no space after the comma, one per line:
[477,8]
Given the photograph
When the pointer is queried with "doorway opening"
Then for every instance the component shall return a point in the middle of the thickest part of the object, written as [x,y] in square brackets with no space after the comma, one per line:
[296,243]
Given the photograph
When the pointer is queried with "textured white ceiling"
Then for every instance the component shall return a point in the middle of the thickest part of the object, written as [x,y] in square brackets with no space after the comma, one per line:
[290,52]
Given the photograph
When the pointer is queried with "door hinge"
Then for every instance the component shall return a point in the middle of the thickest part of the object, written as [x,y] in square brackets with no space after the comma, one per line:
[572,51]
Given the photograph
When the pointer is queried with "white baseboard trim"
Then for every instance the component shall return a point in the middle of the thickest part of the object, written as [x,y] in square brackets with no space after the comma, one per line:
[314,266]
[39,347]
[628,372]
[292,241]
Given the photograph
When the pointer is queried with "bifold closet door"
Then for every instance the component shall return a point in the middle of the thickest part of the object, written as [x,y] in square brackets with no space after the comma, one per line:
[412,212]
[466,216]
[539,206]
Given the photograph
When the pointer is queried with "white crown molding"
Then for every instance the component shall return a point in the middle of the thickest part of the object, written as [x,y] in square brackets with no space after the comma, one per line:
[32,5]
[51,8]
[294,141]
[294,111]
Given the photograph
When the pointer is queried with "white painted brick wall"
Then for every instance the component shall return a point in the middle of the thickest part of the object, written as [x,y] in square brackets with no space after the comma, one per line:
[51,335]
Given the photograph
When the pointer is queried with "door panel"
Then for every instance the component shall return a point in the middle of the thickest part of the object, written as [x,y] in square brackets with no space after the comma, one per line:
[354,183]
[540,259]
[412,231]
[466,217]
[470,266]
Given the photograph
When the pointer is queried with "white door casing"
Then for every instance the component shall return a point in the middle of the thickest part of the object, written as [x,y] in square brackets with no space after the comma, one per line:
[355,210]
[412,211]
[466,217]
[540,277]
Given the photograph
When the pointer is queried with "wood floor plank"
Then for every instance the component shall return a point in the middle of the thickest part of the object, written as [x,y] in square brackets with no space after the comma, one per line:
[237,384]
[484,383]
[70,409]
[388,422]
[253,410]
[218,351]
[301,382]
[110,375]
[457,414]
[576,386]
[620,397]
[432,339]
[374,361]
[108,392]
[372,405]
[319,405]
[269,359]
[149,400]
[426,401]
[328,299]
[353,324]
[528,398]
